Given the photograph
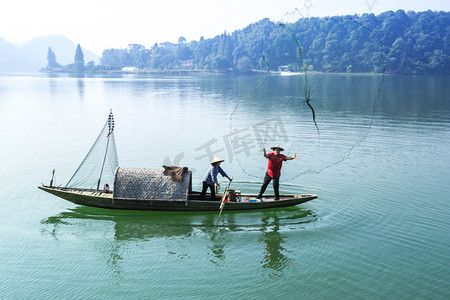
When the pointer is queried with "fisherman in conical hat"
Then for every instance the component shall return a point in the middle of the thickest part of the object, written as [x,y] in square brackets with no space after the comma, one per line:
[273,172]
[210,178]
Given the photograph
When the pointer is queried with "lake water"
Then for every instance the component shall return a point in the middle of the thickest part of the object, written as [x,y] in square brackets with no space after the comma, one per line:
[378,161]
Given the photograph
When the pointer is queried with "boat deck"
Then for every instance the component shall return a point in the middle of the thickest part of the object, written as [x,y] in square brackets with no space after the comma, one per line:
[193,203]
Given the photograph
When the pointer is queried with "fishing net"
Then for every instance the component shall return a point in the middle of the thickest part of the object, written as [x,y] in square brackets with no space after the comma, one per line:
[303,57]
[99,165]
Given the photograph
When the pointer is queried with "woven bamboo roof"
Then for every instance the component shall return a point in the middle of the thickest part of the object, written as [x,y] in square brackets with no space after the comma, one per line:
[149,184]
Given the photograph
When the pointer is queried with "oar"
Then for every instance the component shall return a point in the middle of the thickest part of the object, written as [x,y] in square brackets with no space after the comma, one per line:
[222,204]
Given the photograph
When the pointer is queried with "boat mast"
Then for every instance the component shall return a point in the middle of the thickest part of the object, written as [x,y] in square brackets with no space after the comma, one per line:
[110,131]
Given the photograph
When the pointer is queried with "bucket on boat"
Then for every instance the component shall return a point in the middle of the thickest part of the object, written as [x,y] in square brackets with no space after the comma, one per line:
[238,196]
[231,195]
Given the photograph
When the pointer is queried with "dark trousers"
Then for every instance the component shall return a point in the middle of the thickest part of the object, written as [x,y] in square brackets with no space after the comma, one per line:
[205,187]
[276,186]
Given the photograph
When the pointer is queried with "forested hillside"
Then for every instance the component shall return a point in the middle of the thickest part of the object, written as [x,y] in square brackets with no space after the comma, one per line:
[395,42]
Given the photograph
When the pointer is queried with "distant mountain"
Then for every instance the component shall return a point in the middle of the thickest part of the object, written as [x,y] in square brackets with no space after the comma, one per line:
[64,49]
[32,55]
[12,59]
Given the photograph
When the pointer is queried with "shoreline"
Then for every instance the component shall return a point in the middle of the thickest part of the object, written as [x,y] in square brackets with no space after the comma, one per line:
[187,72]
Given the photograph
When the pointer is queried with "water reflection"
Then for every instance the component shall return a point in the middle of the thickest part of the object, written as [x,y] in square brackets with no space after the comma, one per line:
[127,225]
[145,225]
[273,241]
[120,229]
[218,250]
[80,85]
[275,230]
[53,86]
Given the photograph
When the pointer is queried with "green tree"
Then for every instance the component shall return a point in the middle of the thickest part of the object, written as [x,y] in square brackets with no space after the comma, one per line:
[395,42]
[202,51]
[183,52]
[51,58]
[224,57]
[78,64]
[162,59]
[115,59]
[244,64]
[137,56]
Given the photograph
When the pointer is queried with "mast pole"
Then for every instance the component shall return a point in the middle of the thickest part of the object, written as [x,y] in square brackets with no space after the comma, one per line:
[51,181]
[110,131]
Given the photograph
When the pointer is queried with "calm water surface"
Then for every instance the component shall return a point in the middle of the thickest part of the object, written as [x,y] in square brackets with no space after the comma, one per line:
[378,162]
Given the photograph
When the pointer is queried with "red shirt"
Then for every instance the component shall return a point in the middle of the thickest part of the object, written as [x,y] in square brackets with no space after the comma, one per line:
[275,163]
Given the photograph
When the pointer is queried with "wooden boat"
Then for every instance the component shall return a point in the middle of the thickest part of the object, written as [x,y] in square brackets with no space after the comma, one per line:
[193,203]
[153,189]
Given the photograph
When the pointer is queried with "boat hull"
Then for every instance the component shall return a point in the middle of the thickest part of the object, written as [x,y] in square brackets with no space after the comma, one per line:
[106,200]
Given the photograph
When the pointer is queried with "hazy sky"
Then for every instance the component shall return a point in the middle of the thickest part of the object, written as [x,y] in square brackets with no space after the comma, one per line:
[103,24]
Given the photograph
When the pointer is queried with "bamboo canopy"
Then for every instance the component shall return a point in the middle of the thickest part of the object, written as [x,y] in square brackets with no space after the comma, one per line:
[150,184]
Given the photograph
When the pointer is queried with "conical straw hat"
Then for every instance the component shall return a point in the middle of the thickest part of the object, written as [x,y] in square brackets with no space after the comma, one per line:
[216,159]
[277,147]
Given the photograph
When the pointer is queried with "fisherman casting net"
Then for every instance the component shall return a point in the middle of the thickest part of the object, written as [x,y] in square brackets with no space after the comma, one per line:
[309,94]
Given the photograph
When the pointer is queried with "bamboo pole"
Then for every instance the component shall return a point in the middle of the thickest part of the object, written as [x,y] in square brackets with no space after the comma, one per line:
[222,204]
